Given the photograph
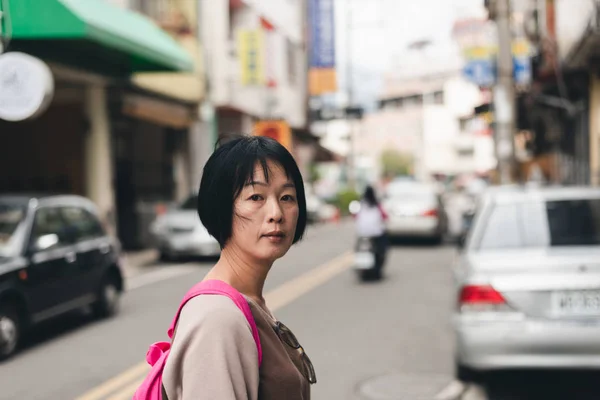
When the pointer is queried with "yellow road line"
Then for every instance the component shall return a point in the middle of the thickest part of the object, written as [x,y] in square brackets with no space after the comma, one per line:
[291,290]
[128,391]
[113,384]
[276,299]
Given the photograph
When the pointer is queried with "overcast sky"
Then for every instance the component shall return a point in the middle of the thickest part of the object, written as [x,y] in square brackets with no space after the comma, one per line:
[381,30]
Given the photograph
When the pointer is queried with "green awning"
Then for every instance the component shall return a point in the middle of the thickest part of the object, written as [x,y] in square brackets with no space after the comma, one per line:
[94,34]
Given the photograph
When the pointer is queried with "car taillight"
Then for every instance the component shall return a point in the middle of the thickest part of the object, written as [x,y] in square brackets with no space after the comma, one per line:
[160,209]
[431,213]
[481,298]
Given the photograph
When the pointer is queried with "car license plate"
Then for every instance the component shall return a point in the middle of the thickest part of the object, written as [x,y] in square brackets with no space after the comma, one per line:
[576,303]
[364,260]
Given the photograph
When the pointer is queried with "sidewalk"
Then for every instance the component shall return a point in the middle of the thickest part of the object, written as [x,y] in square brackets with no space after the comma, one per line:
[136,262]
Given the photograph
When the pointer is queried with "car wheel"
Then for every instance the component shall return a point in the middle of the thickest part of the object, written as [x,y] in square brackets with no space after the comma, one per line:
[467,375]
[366,275]
[108,299]
[10,331]
[378,273]
[164,257]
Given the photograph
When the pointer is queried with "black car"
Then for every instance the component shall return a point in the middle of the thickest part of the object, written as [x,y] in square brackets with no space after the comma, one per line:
[55,257]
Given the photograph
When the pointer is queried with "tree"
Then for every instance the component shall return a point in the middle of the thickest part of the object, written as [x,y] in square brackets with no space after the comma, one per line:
[314,173]
[396,163]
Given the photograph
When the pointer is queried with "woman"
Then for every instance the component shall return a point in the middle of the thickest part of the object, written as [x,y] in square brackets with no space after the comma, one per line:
[370,223]
[251,199]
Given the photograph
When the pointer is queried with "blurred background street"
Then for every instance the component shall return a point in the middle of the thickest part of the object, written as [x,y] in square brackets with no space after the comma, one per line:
[476,122]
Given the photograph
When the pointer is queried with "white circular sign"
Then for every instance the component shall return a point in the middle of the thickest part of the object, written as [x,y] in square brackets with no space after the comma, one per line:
[26,86]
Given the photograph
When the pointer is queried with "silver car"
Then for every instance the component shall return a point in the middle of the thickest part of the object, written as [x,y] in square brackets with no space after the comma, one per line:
[414,210]
[528,282]
[180,233]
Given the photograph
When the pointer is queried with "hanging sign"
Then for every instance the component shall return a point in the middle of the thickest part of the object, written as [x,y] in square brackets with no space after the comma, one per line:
[26,86]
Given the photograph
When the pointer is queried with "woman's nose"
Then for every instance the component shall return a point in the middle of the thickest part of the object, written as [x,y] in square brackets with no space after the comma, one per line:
[276,214]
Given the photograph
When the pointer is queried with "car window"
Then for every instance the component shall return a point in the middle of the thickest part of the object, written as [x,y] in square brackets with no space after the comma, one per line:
[535,223]
[85,225]
[11,217]
[411,193]
[574,222]
[49,221]
[503,229]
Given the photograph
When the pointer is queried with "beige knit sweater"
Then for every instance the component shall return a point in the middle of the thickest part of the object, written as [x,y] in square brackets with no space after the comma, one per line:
[214,356]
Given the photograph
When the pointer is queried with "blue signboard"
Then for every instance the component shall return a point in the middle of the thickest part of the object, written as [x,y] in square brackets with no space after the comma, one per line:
[480,72]
[322,34]
[522,70]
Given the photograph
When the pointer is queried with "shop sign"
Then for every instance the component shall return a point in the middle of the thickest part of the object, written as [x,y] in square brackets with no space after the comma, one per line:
[251,48]
[275,129]
[26,86]
[322,75]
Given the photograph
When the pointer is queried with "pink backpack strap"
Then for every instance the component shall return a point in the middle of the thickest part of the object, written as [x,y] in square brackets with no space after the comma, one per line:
[223,289]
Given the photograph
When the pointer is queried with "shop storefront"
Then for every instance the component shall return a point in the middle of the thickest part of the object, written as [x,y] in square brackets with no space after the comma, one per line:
[91,47]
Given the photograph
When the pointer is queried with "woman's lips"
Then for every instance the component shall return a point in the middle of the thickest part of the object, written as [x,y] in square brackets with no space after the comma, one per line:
[275,237]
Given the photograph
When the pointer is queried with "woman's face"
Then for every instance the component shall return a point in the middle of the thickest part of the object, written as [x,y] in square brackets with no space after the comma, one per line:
[265,215]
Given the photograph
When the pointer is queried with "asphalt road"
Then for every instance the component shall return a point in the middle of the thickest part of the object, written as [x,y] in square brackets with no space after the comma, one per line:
[384,340]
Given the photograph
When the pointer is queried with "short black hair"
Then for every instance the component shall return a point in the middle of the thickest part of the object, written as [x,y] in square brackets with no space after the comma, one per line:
[229,169]
[370,197]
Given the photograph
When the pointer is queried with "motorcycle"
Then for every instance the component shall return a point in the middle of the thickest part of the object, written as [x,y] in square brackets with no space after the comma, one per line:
[367,261]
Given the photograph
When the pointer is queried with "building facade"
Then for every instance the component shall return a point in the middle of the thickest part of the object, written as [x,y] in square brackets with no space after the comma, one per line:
[76,146]
[430,119]
[276,86]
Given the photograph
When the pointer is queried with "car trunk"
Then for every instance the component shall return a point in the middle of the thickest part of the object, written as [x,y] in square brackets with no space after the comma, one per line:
[411,206]
[555,282]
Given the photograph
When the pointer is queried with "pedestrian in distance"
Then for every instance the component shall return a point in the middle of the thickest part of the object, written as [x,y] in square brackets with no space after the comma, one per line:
[226,343]
[370,223]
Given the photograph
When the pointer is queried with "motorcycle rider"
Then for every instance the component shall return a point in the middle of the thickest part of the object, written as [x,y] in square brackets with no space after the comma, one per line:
[370,223]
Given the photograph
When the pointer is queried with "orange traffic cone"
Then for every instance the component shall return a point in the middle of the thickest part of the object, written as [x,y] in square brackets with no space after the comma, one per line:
[336,216]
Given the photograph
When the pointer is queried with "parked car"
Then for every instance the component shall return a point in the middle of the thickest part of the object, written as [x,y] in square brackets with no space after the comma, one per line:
[528,282]
[178,233]
[315,207]
[55,257]
[415,210]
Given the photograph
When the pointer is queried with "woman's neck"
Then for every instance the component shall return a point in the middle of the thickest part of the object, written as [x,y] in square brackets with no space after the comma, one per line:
[245,276]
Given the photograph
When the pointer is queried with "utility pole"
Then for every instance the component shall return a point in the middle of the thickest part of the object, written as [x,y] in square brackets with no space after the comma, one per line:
[504,97]
[350,87]
[349,65]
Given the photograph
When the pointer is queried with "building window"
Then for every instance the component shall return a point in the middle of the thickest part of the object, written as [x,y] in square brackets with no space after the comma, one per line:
[466,152]
[414,100]
[464,124]
[438,97]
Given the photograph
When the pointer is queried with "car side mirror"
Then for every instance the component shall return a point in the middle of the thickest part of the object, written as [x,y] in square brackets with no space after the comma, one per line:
[45,242]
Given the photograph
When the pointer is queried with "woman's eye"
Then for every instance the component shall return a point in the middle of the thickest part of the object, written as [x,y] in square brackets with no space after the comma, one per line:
[255,197]
[288,197]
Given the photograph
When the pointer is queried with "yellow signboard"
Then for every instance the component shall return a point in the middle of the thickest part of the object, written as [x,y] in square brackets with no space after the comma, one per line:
[251,50]
[479,52]
[520,48]
[275,129]
[321,81]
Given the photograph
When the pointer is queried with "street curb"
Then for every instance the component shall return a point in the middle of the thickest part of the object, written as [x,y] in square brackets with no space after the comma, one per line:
[135,262]
[473,393]
[454,391]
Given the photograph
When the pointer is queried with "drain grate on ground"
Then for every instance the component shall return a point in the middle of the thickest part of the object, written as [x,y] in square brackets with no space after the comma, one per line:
[399,386]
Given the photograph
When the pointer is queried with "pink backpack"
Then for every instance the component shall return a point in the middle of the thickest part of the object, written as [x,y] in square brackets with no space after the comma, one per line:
[151,388]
